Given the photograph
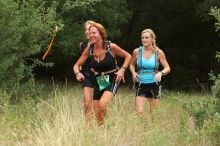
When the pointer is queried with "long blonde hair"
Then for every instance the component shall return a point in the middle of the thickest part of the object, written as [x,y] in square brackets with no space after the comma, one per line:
[153,36]
[88,22]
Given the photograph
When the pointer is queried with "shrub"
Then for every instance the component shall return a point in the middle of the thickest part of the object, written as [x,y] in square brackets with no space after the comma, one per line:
[25,29]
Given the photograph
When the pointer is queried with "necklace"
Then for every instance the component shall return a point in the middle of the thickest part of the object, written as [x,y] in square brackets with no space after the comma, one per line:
[97,59]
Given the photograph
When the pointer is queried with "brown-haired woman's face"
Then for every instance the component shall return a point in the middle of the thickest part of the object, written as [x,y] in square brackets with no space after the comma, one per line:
[146,39]
[87,33]
[94,34]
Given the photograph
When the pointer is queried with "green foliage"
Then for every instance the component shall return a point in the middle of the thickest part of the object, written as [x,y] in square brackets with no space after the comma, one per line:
[216,13]
[216,88]
[204,114]
[179,37]
[60,121]
[204,6]
[74,13]
[16,117]
[215,128]
[25,29]
[202,109]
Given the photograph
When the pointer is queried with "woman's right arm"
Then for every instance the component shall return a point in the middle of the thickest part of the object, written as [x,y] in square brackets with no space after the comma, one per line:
[132,65]
[80,62]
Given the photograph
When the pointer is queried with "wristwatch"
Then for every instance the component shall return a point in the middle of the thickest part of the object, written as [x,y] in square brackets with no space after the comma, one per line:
[162,72]
[77,73]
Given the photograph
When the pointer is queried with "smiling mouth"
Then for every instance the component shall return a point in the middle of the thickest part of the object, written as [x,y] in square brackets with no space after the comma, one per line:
[92,39]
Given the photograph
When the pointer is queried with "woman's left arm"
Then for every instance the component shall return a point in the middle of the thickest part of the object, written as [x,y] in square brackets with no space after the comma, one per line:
[166,68]
[117,51]
[162,59]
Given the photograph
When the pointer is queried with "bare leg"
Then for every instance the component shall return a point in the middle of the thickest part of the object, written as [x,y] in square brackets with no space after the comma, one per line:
[87,98]
[153,106]
[101,106]
[96,109]
[140,104]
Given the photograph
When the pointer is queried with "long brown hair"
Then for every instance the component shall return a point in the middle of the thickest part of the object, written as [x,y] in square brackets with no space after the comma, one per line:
[101,30]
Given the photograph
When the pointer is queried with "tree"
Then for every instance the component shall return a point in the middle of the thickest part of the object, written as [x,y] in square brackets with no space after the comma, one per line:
[179,27]
[216,88]
[74,13]
[25,29]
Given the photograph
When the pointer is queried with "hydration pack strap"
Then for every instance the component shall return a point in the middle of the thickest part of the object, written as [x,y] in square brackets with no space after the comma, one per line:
[156,62]
[109,50]
[139,62]
[103,73]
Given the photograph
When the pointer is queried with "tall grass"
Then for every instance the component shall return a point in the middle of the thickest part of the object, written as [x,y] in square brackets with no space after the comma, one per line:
[59,121]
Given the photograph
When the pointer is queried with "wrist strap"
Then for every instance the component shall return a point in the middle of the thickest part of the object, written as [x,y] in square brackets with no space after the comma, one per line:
[77,73]
[124,67]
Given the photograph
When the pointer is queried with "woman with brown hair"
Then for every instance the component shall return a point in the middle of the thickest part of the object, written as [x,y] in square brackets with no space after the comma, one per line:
[103,64]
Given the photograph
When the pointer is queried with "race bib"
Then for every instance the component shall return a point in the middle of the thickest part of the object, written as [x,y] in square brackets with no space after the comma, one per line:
[103,81]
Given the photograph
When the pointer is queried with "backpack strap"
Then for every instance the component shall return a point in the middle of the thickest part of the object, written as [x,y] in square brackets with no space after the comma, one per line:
[80,47]
[91,48]
[139,61]
[109,50]
[156,61]
[83,45]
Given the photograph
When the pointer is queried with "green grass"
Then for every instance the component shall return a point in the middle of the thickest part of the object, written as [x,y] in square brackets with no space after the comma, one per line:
[59,121]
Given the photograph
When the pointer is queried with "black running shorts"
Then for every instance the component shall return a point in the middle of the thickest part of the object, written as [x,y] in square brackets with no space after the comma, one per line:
[148,90]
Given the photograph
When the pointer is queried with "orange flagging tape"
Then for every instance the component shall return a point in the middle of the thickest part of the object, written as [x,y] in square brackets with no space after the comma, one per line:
[49,48]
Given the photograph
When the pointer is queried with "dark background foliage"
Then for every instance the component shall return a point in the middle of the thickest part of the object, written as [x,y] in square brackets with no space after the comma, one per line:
[185,32]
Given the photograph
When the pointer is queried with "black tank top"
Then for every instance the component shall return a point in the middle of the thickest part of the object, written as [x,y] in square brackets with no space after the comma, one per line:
[107,64]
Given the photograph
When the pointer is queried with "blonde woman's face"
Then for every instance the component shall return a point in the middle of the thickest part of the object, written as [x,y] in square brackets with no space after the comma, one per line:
[146,39]
[95,34]
[87,33]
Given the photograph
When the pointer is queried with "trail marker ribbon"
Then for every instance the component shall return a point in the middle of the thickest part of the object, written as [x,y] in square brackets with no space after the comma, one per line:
[51,43]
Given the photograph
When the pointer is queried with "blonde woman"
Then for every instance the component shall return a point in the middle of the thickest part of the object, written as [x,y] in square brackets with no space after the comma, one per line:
[103,64]
[88,82]
[148,77]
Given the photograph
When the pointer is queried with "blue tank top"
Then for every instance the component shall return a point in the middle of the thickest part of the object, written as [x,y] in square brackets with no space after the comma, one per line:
[146,67]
